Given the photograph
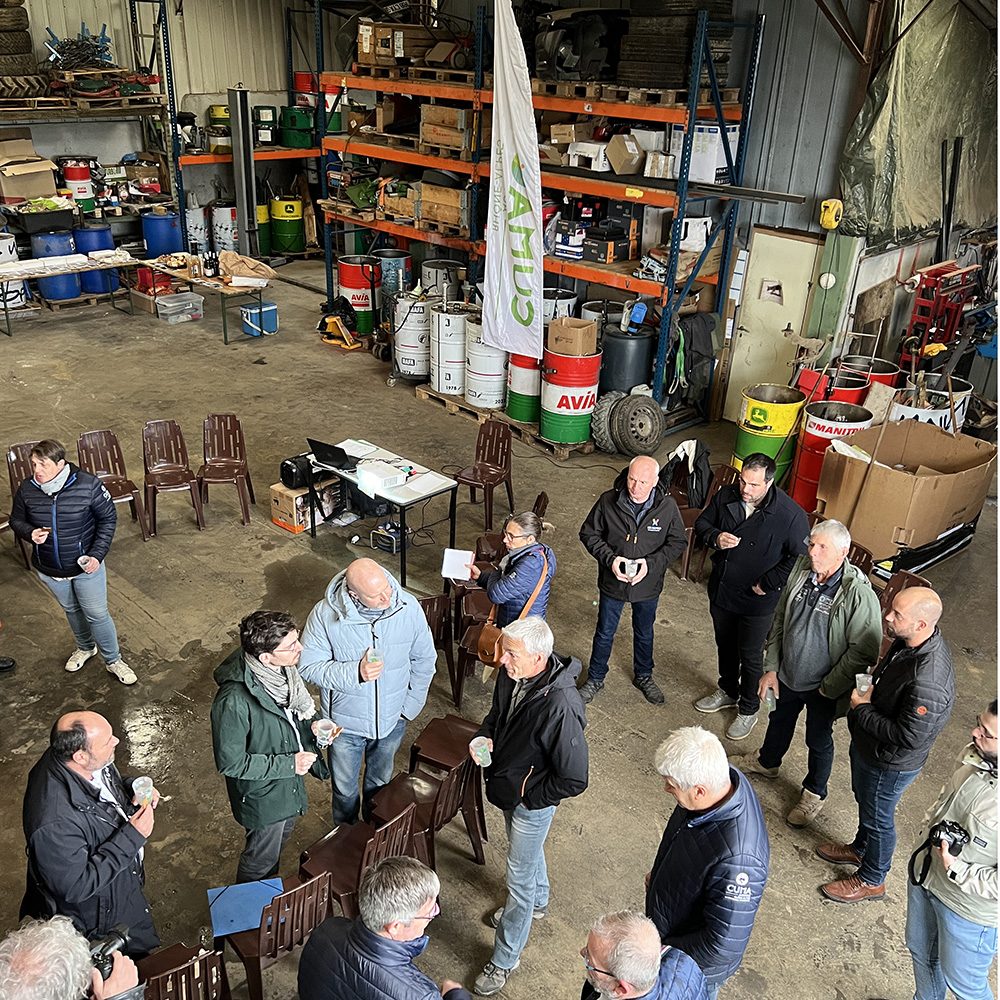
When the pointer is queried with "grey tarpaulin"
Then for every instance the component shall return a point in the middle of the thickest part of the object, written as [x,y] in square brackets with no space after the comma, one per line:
[939,82]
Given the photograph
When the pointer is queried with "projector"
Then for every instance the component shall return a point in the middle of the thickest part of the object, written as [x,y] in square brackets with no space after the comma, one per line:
[373,477]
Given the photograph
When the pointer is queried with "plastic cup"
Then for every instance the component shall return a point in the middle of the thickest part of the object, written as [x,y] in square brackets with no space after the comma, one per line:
[142,789]
[480,748]
[769,700]
[373,656]
[83,561]
[324,733]
[631,568]
[862,682]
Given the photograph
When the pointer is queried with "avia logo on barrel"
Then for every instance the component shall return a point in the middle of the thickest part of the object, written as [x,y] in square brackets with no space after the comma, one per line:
[577,404]
[522,261]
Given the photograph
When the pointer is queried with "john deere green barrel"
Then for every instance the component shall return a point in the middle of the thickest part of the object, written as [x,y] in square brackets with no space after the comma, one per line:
[263,230]
[767,424]
[288,234]
[569,392]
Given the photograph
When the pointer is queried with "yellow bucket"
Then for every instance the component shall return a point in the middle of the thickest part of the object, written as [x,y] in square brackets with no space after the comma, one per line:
[220,111]
[771,410]
[286,208]
[263,215]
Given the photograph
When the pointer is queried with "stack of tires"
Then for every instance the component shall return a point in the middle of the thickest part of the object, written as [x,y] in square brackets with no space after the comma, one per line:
[628,423]
[19,76]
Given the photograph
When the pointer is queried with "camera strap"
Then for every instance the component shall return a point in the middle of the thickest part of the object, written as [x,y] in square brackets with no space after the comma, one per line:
[926,847]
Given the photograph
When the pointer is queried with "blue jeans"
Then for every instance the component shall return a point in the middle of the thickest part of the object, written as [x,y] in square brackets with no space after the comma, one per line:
[527,880]
[609,613]
[949,952]
[877,793]
[84,598]
[346,753]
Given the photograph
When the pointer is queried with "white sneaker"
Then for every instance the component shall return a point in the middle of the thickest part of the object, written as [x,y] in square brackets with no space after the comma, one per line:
[715,702]
[122,671]
[741,727]
[79,658]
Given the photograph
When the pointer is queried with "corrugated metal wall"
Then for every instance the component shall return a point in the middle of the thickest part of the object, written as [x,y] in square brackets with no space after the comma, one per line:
[805,89]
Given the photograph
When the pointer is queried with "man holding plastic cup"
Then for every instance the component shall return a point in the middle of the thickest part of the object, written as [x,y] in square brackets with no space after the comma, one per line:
[532,747]
[267,735]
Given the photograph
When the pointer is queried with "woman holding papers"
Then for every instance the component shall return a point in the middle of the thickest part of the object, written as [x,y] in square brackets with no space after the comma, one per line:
[517,574]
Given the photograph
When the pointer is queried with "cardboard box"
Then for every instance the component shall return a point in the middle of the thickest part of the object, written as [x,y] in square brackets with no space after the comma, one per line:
[629,214]
[625,154]
[552,155]
[388,44]
[708,158]
[572,132]
[23,173]
[590,156]
[659,165]
[609,251]
[925,483]
[569,239]
[290,508]
[575,337]
[651,140]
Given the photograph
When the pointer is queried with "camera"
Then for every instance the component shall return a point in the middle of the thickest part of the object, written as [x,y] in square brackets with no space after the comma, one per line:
[952,833]
[101,951]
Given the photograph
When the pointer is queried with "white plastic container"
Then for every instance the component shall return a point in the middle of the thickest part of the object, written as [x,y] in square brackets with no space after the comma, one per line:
[184,307]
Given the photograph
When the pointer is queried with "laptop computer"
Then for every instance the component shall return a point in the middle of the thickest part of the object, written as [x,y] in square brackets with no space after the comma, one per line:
[332,455]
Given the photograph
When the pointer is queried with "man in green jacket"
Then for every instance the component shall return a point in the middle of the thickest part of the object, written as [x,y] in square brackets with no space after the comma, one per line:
[265,738]
[827,628]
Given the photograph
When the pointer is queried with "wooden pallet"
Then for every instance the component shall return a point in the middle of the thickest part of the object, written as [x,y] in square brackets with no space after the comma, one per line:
[572,89]
[379,72]
[528,433]
[442,228]
[442,74]
[400,141]
[621,94]
[88,299]
[33,103]
[448,152]
[69,75]
[143,102]
[403,220]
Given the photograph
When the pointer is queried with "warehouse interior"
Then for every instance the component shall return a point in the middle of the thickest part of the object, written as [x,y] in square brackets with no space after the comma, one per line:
[762,225]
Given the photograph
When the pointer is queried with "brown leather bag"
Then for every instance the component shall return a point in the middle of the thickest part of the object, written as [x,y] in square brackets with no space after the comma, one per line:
[484,639]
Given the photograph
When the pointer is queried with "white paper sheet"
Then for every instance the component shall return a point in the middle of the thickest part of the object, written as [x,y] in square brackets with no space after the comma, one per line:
[357,448]
[455,564]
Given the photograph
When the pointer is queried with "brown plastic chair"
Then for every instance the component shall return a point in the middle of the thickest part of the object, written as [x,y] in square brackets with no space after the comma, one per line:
[492,466]
[347,852]
[899,580]
[443,745]
[285,923]
[437,800]
[168,470]
[100,452]
[722,475]
[18,470]
[437,611]
[490,547]
[859,556]
[226,460]
[180,973]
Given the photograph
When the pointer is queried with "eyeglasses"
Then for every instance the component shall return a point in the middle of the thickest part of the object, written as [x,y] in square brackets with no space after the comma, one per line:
[512,538]
[434,912]
[983,729]
[593,968]
[288,649]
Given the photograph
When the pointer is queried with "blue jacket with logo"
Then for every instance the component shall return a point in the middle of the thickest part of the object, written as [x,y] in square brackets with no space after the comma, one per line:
[335,638]
[611,531]
[679,979]
[343,958]
[509,588]
[707,880]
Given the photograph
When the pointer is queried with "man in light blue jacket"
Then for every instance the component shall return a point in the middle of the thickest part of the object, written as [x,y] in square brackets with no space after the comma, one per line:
[367,647]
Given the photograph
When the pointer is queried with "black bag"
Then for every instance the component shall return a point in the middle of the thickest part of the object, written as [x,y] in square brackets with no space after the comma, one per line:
[297,472]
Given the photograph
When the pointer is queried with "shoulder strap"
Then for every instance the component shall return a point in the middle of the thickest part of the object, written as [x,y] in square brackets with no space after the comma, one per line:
[538,587]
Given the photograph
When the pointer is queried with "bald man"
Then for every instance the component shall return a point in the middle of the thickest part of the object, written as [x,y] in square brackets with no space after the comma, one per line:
[635,532]
[893,724]
[85,833]
[368,649]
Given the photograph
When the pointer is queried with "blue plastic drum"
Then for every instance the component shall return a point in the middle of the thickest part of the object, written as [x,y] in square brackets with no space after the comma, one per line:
[56,244]
[96,236]
[162,233]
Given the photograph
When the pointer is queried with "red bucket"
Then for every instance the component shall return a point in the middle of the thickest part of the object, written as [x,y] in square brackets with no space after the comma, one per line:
[841,386]
[876,369]
[823,423]
[307,82]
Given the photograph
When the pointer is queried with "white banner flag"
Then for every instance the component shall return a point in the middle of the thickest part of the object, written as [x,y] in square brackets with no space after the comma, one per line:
[512,299]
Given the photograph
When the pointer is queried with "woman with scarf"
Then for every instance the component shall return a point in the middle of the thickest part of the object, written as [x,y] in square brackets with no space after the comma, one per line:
[528,559]
[69,517]
[264,731]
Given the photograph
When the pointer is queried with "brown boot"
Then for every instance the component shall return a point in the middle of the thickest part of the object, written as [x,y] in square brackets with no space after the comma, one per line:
[852,890]
[839,854]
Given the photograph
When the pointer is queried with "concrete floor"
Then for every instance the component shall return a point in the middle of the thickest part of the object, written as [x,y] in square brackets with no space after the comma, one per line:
[177,599]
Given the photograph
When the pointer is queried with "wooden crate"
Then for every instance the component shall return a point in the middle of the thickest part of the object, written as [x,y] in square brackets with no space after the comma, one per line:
[456,118]
[447,137]
[448,205]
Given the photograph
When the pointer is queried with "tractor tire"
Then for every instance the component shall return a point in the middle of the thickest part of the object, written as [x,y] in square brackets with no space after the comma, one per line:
[18,65]
[637,425]
[13,19]
[11,3]
[15,43]
[16,87]
[600,421]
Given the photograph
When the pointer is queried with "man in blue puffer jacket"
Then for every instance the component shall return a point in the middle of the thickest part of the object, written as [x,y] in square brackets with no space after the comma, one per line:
[368,648]
[706,883]
[69,517]
[372,958]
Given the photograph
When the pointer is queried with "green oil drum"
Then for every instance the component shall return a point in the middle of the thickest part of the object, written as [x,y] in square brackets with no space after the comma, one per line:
[263,231]
[288,233]
[769,415]
[297,118]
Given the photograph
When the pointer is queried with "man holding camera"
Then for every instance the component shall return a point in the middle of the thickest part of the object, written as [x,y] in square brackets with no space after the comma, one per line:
[893,724]
[52,960]
[85,831]
[951,915]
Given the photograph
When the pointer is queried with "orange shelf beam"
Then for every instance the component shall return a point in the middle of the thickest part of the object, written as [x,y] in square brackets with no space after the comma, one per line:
[259,154]
[408,232]
[398,154]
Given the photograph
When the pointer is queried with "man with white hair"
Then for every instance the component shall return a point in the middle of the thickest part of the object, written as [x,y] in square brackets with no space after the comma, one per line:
[538,757]
[635,532]
[623,959]
[50,960]
[706,883]
[371,958]
[827,628]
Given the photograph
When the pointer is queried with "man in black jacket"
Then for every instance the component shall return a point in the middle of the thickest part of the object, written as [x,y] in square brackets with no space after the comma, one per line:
[534,732]
[757,532]
[635,532]
[69,517]
[85,834]
[894,723]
